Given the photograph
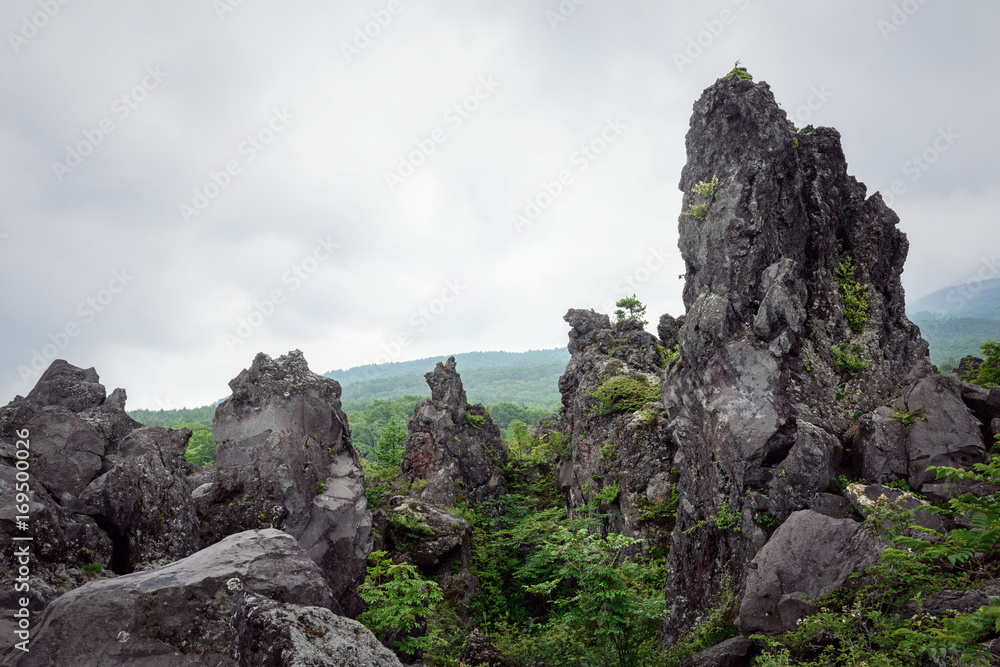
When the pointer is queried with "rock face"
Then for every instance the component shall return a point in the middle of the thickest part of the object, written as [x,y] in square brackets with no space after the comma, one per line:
[101,488]
[206,608]
[629,450]
[775,359]
[284,458]
[453,450]
[809,555]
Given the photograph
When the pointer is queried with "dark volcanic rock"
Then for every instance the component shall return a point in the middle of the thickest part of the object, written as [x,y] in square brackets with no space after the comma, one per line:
[277,634]
[668,330]
[284,458]
[479,650]
[427,534]
[734,652]
[453,448]
[760,390]
[177,614]
[66,385]
[809,555]
[629,451]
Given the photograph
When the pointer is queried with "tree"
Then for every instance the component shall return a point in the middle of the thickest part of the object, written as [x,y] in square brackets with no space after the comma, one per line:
[390,449]
[630,308]
[201,447]
[399,599]
[989,371]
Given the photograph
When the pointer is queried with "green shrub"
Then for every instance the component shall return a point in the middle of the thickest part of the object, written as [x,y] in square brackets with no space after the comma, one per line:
[909,417]
[989,371]
[630,308]
[739,72]
[475,421]
[727,518]
[624,394]
[608,494]
[849,358]
[398,599]
[705,189]
[854,294]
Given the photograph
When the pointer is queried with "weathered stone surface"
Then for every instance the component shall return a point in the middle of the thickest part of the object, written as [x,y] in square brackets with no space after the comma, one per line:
[274,634]
[427,534]
[880,448]
[948,435]
[734,652]
[479,650]
[809,555]
[67,386]
[177,614]
[144,502]
[758,378]
[284,458]
[630,451]
[452,445]
[668,329]
[866,497]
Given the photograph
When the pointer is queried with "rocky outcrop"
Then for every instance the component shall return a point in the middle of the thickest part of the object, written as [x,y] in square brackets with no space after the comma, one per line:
[795,323]
[284,459]
[428,535]
[809,555]
[206,608]
[453,450]
[479,650]
[100,488]
[621,460]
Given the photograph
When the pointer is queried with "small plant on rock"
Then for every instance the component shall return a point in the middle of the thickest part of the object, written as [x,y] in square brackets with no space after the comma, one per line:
[630,308]
[849,358]
[910,417]
[624,394]
[855,295]
[705,189]
[740,73]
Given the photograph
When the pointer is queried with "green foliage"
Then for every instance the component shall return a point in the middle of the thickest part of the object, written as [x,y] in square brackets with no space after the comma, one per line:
[608,494]
[707,189]
[369,420]
[613,604]
[727,518]
[765,520]
[952,339]
[505,413]
[855,295]
[474,421]
[624,394]
[659,511]
[630,308]
[320,487]
[739,72]
[989,372]
[175,418]
[201,447]
[669,356]
[909,417]
[91,570]
[408,523]
[398,599]
[390,449]
[848,357]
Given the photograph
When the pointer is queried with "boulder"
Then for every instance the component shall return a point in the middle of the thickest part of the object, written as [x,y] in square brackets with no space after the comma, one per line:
[866,497]
[65,385]
[177,614]
[453,449]
[809,555]
[276,633]
[284,459]
[480,651]
[880,447]
[427,534]
[734,652]
[775,364]
[668,328]
[947,435]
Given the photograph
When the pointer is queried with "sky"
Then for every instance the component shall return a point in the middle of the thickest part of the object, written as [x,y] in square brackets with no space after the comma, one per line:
[185,184]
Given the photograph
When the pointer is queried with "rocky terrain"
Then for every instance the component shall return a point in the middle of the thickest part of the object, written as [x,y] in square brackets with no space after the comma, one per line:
[745,443]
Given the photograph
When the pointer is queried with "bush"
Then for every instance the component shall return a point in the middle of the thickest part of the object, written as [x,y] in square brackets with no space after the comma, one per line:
[855,295]
[201,447]
[849,359]
[989,370]
[398,599]
[624,394]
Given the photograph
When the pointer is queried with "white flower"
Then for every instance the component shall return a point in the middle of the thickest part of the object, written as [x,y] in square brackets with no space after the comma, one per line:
[234,584]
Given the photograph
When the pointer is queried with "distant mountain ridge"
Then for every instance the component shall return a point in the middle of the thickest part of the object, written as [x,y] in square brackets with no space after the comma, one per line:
[957,320]
[466,361]
[972,300]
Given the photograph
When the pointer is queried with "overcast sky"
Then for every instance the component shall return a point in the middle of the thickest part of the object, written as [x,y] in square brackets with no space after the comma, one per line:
[187,183]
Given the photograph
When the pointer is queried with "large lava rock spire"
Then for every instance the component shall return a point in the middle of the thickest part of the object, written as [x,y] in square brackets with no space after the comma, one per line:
[773,373]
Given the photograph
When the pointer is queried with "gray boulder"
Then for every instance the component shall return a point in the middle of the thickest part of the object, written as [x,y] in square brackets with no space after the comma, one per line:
[880,447]
[291,635]
[65,385]
[453,450]
[284,459]
[427,534]
[809,555]
[177,614]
